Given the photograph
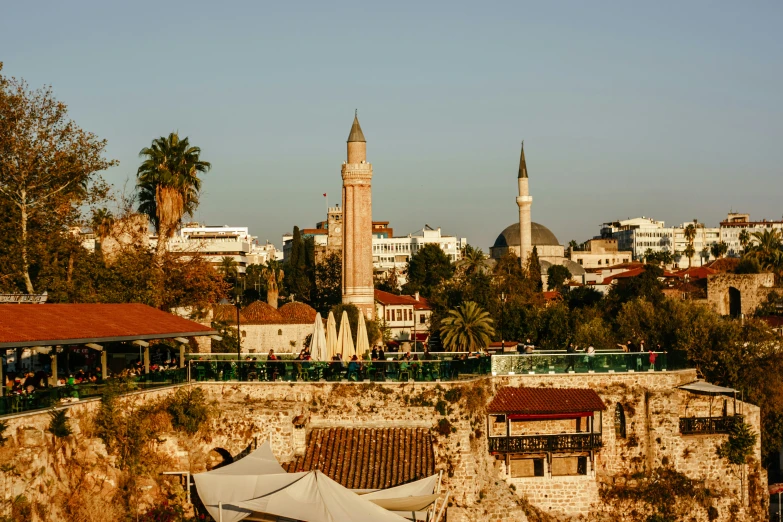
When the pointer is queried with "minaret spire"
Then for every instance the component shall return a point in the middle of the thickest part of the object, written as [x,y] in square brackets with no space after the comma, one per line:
[524,202]
[522,163]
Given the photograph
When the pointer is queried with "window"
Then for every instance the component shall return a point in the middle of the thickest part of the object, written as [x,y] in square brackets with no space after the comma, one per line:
[526,467]
[388,315]
[619,421]
[399,314]
[422,319]
[280,332]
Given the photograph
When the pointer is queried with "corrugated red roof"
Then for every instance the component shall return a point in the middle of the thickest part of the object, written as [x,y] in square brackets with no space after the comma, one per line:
[368,458]
[50,324]
[387,298]
[297,313]
[545,400]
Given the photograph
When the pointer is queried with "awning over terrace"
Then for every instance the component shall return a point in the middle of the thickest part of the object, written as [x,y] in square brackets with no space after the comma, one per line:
[540,403]
[24,326]
[705,387]
[257,484]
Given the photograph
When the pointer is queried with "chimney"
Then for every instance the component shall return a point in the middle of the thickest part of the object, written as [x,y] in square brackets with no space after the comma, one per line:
[416,296]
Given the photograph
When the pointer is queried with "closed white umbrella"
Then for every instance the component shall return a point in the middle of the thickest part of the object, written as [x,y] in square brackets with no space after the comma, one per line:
[344,338]
[362,342]
[331,336]
[318,341]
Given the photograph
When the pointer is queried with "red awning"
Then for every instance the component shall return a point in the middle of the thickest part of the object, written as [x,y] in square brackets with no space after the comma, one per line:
[421,336]
[543,416]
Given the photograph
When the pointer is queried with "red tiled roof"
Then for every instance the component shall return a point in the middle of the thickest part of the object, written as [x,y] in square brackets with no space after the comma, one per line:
[368,458]
[629,265]
[297,313]
[50,324]
[387,298]
[552,295]
[697,272]
[259,312]
[545,400]
[226,313]
[724,264]
[634,273]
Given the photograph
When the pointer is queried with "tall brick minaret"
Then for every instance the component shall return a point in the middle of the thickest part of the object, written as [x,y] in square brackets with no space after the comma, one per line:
[524,202]
[357,224]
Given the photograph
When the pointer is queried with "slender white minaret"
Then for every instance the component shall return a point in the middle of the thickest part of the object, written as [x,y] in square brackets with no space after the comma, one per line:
[357,224]
[524,202]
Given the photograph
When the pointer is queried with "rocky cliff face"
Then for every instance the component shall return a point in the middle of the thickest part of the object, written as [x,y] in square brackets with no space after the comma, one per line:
[77,478]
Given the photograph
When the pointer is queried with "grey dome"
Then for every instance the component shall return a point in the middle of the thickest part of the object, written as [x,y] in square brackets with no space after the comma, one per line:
[539,236]
[575,268]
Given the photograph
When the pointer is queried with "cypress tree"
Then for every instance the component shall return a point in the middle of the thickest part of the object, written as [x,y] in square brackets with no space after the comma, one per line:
[534,270]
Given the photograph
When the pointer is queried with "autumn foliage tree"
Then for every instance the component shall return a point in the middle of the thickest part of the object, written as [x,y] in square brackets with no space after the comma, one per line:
[48,168]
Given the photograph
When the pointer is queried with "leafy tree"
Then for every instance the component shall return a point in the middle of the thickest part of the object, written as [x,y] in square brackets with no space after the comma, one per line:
[534,270]
[557,277]
[473,261]
[102,221]
[690,235]
[744,239]
[297,279]
[719,249]
[327,291]
[582,297]
[573,245]
[766,242]
[426,269]
[374,333]
[467,328]
[646,286]
[169,184]
[553,328]
[229,268]
[689,253]
[48,171]
[748,265]
[739,446]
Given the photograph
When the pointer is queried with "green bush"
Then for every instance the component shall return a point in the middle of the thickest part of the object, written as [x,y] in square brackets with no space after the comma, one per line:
[188,409]
[739,445]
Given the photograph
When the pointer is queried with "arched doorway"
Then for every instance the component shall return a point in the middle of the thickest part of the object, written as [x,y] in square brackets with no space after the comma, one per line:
[735,302]
[217,458]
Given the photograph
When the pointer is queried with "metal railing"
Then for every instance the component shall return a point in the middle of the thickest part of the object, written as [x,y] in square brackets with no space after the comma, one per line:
[544,443]
[45,398]
[204,369]
[709,425]
[580,362]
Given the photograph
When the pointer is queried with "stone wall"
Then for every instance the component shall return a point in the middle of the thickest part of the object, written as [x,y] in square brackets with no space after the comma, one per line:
[478,484]
[260,338]
[753,289]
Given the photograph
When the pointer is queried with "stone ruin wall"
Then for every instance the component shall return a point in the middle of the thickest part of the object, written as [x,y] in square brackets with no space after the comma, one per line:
[478,485]
[754,289]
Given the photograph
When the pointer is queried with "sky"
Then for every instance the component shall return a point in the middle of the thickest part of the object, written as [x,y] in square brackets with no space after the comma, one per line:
[671,110]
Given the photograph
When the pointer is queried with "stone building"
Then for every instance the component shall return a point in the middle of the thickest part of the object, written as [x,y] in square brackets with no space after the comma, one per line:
[738,294]
[600,253]
[406,316]
[265,328]
[357,279]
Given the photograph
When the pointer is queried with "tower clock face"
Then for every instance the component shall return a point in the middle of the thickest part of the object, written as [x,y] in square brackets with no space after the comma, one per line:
[336,230]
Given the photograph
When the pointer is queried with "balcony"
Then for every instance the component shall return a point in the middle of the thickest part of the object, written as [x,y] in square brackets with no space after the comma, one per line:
[545,443]
[708,425]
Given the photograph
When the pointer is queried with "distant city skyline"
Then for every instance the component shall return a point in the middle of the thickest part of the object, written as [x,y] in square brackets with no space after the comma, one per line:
[664,110]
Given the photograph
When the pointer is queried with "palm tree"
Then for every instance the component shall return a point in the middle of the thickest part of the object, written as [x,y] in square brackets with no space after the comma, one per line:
[228,267]
[468,327]
[719,249]
[169,184]
[767,241]
[689,253]
[690,235]
[666,257]
[473,261]
[102,221]
[744,239]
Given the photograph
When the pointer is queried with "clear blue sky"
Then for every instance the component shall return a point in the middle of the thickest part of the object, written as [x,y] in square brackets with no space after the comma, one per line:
[664,109]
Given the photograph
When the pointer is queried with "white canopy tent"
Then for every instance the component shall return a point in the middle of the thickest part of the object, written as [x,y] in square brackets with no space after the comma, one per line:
[318,341]
[258,484]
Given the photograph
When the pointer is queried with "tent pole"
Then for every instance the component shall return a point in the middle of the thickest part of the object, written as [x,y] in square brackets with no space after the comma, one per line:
[443,507]
[220,512]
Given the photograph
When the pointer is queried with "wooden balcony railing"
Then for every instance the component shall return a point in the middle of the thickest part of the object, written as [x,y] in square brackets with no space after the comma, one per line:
[543,443]
[708,425]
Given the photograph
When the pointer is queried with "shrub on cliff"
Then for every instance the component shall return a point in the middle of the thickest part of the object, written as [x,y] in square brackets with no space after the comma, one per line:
[188,409]
[58,425]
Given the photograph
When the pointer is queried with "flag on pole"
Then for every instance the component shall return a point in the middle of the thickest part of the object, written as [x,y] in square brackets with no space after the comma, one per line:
[324,194]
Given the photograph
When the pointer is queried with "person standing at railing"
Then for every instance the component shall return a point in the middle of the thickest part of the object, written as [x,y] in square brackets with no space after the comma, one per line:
[571,350]
[590,357]
[653,356]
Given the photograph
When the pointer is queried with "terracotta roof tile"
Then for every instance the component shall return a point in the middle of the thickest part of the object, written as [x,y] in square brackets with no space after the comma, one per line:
[22,324]
[368,458]
[297,313]
[697,272]
[259,312]
[387,298]
[545,400]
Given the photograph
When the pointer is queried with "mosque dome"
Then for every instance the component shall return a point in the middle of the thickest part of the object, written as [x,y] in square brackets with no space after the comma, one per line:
[539,235]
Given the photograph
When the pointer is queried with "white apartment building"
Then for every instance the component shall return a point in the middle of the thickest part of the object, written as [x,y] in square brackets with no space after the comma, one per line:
[217,242]
[735,223]
[641,234]
[395,252]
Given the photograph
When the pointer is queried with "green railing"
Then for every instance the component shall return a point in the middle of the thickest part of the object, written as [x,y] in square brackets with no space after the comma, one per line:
[598,362]
[45,398]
